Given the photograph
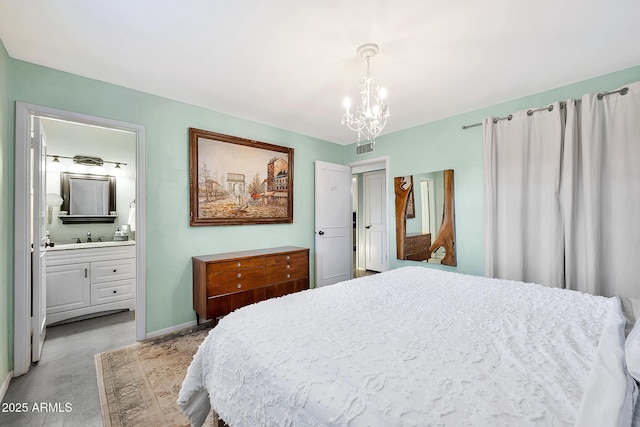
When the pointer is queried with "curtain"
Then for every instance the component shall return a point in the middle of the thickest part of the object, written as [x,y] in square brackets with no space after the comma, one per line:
[522,191]
[602,200]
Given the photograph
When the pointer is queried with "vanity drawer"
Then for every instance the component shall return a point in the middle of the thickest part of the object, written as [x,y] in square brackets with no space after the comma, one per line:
[113,291]
[108,271]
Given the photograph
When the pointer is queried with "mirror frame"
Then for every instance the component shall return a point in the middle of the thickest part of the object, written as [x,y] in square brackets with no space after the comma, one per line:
[65,193]
[446,232]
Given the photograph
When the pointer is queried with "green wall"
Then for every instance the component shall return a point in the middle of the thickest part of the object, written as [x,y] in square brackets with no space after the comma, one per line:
[445,145]
[170,241]
[6,220]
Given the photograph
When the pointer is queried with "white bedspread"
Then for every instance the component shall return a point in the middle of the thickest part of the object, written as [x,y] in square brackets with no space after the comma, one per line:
[412,347]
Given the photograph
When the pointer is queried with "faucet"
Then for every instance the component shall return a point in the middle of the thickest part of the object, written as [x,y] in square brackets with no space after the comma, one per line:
[88,237]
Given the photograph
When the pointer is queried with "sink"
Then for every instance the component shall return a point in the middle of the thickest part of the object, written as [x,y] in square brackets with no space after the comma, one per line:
[65,246]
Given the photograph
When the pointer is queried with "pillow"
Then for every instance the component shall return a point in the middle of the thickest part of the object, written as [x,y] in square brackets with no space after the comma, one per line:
[632,352]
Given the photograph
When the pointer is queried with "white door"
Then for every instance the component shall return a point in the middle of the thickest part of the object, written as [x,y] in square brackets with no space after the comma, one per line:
[39,255]
[375,220]
[334,226]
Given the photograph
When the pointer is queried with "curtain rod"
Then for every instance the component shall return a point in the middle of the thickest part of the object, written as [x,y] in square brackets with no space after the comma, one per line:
[622,91]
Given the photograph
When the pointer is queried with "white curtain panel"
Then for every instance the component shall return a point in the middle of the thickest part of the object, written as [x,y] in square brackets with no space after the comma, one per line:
[572,200]
[602,216]
[524,237]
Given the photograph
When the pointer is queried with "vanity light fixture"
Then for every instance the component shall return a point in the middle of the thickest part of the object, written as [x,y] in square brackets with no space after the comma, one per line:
[78,168]
[80,164]
[370,116]
[56,165]
[97,170]
[117,171]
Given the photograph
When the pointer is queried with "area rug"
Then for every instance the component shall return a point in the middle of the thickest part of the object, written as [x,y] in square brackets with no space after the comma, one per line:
[139,384]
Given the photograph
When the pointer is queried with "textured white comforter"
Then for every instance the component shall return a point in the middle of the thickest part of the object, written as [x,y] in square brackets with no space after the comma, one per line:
[412,347]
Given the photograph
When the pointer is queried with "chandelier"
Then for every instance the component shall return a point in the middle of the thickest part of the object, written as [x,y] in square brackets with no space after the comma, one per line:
[370,117]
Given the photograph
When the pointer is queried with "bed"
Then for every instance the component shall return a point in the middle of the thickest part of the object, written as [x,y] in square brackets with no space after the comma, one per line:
[417,346]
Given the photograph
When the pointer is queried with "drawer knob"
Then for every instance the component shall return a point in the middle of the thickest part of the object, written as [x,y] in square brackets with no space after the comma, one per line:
[115,292]
[288,276]
[239,286]
[114,270]
[288,257]
[288,266]
[239,264]
[239,275]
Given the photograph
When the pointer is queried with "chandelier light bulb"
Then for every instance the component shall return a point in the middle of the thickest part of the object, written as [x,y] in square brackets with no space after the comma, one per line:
[382,92]
[347,103]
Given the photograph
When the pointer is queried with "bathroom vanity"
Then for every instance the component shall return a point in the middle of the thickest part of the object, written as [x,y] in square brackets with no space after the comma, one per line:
[87,278]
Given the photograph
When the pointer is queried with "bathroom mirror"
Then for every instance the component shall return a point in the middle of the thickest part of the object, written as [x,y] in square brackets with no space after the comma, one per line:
[425,217]
[87,198]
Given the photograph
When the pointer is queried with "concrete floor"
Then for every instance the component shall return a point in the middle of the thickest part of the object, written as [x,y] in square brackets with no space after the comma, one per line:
[65,376]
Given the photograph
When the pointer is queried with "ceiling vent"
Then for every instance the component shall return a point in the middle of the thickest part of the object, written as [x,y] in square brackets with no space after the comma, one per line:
[364,148]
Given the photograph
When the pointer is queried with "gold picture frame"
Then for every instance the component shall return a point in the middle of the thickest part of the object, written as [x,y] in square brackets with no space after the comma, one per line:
[235,181]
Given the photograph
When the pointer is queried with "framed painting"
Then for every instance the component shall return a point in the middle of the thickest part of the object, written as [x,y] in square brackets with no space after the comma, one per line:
[234,181]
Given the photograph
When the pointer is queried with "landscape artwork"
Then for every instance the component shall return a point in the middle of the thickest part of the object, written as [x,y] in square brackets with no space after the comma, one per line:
[239,181]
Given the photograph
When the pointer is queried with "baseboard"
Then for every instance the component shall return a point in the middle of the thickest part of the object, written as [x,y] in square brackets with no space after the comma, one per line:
[177,328]
[5,385]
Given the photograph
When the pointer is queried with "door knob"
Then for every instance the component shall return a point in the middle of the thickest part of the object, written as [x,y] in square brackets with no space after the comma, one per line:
[321,233]
[368,227]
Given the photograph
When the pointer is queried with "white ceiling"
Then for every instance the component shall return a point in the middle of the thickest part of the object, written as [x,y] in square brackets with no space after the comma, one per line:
[289,63]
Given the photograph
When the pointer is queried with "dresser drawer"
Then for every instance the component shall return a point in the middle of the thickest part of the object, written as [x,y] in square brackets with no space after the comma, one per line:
[418,242]
[280,273]
[295,258]
[225,304]
[235,264]
[280,268]
[108,271]
[113,291]
[225,282]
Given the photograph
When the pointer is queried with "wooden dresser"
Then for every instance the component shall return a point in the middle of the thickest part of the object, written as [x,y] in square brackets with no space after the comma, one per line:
[225,282]
[417,247]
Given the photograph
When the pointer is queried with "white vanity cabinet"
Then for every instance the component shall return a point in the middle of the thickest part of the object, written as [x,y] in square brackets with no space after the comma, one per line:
[87,279]
[67,287]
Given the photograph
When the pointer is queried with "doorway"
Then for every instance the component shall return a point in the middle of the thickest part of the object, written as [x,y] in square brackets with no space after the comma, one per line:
[370,216]
[28,227]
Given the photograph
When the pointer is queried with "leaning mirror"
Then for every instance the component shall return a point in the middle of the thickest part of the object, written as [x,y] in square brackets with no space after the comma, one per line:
[425,217]
[87,198]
